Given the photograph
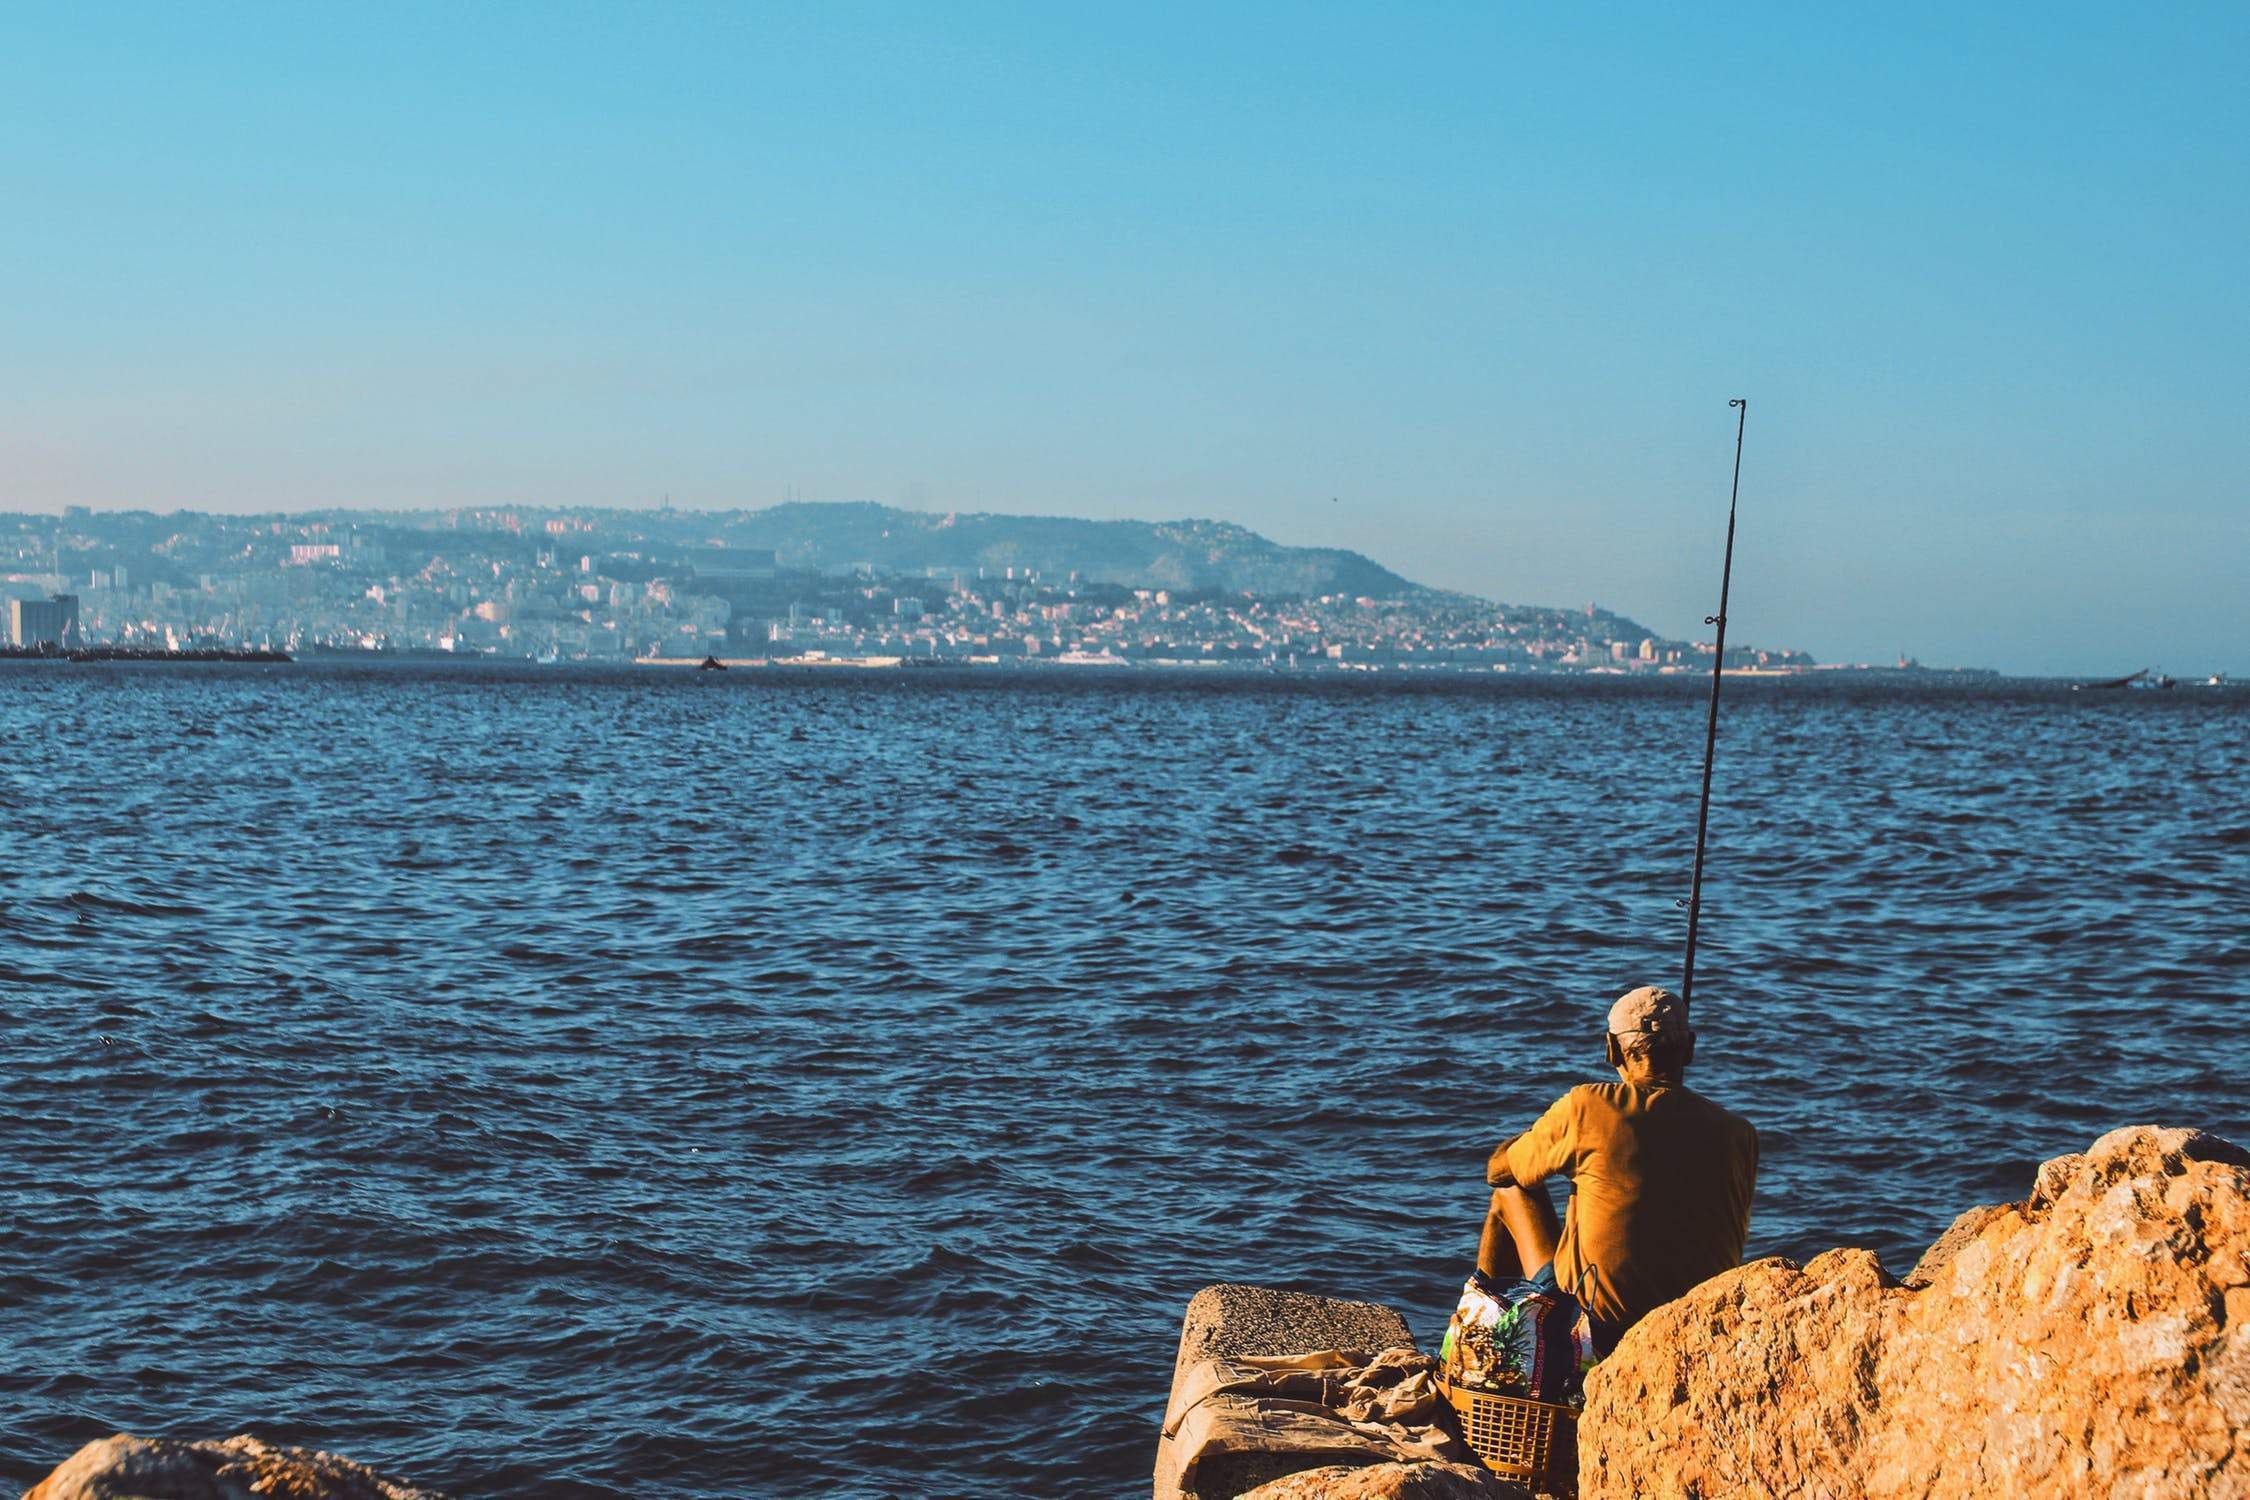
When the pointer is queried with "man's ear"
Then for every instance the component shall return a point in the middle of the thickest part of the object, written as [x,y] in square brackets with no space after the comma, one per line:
[1615,1053]
[1689,1055]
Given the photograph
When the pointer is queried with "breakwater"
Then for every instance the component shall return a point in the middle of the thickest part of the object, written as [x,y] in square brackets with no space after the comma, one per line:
[139,654]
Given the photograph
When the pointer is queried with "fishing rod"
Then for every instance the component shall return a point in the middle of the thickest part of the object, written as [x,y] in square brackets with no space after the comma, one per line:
[1741,406]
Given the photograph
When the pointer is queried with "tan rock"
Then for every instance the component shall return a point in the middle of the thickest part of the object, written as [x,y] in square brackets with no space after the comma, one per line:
[1391,1482]
[241,1468]
[2090,1340]
[1219,1440]
[1963,1232]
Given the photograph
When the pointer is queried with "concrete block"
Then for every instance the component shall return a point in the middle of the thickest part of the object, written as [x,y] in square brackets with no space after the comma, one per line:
[1230,1321]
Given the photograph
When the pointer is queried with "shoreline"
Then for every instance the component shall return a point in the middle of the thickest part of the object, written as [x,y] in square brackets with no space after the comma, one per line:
[2196,689]
[884,662]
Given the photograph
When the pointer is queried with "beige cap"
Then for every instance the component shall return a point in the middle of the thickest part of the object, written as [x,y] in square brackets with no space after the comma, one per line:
[1649,1009]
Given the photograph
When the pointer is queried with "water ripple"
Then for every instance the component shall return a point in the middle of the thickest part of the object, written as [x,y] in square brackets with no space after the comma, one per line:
[605,1083]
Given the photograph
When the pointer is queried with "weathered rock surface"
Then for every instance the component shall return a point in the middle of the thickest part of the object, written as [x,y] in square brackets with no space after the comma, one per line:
[1272,1384]
[1429,1481]
[2093,1339]
[241,1468]
[1230,1320]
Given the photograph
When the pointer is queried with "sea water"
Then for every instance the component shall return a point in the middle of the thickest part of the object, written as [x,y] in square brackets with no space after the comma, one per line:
[581,1082]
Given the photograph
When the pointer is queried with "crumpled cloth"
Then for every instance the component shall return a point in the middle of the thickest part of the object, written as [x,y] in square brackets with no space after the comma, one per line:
[1326,1407]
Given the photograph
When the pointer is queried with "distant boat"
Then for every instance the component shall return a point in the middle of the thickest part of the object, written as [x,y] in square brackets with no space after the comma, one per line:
[2114,682]
[712,664]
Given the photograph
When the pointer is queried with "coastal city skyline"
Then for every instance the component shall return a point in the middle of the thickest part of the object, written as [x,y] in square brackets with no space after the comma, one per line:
[305,580]
[840,583]
[594,583]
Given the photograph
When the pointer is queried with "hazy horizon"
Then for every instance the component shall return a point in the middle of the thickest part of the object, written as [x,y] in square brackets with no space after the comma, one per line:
[1464,292]
[1686,630]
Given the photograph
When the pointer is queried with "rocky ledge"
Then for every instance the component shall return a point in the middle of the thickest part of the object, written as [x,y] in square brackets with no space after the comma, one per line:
[2092,1339]
[241,1468]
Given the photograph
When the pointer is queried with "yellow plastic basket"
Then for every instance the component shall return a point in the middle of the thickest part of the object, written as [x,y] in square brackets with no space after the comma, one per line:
[1519,1438]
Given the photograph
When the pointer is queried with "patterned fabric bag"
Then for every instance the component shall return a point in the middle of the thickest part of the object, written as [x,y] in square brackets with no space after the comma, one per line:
[1518,1338]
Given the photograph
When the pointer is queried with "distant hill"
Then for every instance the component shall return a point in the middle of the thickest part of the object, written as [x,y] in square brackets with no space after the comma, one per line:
[1210,555]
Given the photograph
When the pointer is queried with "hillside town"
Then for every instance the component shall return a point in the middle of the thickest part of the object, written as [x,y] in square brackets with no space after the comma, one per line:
[620,586]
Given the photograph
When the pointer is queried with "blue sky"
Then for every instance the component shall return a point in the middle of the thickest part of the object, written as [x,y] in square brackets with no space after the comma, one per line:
[1463,287]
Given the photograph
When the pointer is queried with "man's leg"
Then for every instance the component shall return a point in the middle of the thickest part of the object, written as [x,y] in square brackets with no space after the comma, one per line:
[1520,1234]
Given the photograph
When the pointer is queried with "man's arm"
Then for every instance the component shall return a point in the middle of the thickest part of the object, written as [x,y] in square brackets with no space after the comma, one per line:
[1540,1152]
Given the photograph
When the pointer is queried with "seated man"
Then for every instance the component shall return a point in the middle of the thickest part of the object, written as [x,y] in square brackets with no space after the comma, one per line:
[1660,1176]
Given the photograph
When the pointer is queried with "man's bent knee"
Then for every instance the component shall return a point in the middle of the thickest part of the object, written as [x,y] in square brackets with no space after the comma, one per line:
[1509,1200]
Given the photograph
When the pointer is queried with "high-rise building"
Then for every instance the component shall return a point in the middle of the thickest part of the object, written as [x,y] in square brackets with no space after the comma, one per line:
[43,622]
